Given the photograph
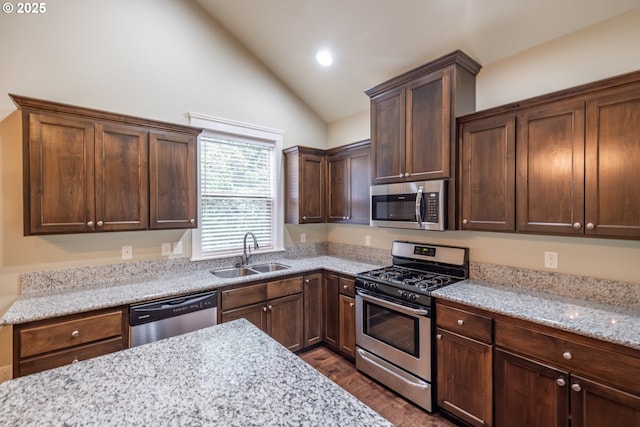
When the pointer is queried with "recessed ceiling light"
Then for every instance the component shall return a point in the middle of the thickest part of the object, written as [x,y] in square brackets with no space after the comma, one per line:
[324,58]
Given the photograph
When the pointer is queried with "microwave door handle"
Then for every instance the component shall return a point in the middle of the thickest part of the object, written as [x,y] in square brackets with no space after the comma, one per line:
[419,207]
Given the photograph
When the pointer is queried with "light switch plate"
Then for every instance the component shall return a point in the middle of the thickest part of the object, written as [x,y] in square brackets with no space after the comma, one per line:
[127,252]
[177,248]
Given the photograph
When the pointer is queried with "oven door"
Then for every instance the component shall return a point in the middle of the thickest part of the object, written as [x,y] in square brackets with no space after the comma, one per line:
[395,331]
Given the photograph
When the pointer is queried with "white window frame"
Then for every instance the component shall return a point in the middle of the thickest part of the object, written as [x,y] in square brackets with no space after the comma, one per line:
[217,126]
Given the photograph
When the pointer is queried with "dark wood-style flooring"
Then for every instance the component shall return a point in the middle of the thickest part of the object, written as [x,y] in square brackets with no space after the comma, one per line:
[388,404]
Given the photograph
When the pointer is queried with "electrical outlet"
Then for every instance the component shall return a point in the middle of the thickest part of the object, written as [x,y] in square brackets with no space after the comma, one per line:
[303,237]
[551,259]
[166,249]
[367,240]
[5,373]
[177,248]
[127,252]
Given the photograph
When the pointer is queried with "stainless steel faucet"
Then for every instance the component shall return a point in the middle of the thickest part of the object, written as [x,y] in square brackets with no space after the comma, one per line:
[245,256]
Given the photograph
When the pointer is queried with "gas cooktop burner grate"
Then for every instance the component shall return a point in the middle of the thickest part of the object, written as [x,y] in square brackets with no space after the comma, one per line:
[423,281]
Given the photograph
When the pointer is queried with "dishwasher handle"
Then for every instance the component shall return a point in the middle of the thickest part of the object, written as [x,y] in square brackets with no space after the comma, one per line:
[164,309]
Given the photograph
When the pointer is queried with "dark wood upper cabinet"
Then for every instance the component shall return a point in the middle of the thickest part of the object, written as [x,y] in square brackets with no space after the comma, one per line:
[413,119]
[487,184]
[550,169]
[87,170]
[612,178]
[575,171]
[173,180]
[348,180]
[305,177]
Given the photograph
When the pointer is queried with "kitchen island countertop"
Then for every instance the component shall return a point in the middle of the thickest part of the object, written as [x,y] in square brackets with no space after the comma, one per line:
[231,374]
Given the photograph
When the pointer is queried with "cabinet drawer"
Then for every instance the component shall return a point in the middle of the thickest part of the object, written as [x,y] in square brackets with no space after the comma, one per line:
[59,335]
[240,297]
[604,365]
[348,287]
[464,323]
[66,357]
[282,288]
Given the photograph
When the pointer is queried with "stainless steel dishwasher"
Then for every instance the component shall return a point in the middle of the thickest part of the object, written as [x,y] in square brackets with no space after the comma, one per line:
[166,318]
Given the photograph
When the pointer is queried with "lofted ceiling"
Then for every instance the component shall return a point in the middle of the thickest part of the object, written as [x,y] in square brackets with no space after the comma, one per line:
[375,40]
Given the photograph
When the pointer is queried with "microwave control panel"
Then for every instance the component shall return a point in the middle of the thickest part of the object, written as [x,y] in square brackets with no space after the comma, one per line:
[432,207]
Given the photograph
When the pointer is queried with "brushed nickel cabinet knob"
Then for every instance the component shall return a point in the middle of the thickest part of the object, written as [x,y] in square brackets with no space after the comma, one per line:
[590,226]
[75,334]
[100,223]
[567,355]
[576,387]
[561,382]
[577,225]
[90,224]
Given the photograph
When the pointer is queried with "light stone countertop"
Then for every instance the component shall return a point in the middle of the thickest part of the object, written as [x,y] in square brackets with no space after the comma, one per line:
[54,304]
[606,322]
[231,374]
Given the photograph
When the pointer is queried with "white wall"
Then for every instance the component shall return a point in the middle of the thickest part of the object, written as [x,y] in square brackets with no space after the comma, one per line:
[603,50]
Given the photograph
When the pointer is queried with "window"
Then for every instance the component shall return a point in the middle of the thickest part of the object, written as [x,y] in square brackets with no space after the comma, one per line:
[239,166]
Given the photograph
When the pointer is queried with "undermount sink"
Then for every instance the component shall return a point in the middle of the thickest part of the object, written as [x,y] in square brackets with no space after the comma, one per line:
[266,268]
[228,273]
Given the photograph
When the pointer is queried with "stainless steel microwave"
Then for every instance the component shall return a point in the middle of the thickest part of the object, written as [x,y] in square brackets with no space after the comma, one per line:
[417,205]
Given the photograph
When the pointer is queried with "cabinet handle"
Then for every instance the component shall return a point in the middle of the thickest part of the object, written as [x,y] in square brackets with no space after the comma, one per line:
[345,287]
[75,333]
[307,281]
[464,221]
[407,174]
[561,382]
[567,355]
[192,220]
[401,175]
[576,387]
[90,224]
[74,361]
[460,322]
[264,309]
[439,336]
[100,223]
[304,217]
[351,304]
[590,226]
[270,307]
[577,225]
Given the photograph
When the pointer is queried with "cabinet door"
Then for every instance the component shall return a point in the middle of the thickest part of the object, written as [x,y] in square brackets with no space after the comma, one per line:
[284,321]
[312,188]
[347,326]
[596,405]
[388,136]
[359,182]
[172,181]
[488,174]
[121,178]
[612,159]
[313,309]
[464,368]
[550,169]
[256,314]
[428,122]
[529,394]
[331,310]
[59,184]
[338,191]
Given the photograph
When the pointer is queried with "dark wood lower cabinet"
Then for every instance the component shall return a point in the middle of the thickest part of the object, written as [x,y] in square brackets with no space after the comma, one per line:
[348,325]
[464,378]
[597,405]
[313,309]
[528,393]
[284,321]
[331,295]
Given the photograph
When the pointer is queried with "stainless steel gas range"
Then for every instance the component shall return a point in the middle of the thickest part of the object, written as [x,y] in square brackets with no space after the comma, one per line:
[394,311]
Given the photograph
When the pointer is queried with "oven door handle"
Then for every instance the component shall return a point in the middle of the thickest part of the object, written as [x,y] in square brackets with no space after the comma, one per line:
[393,306]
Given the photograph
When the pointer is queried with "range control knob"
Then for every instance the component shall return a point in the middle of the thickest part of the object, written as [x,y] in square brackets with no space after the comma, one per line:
[413,297]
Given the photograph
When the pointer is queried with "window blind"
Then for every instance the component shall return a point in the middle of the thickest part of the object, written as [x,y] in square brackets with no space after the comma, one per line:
[237,185]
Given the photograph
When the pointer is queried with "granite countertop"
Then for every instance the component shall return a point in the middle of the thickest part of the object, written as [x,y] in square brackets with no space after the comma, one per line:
[606,322]
[231,374]
[63,302]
